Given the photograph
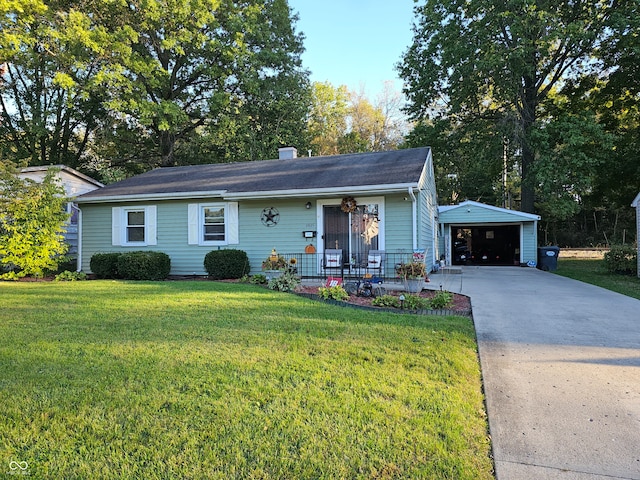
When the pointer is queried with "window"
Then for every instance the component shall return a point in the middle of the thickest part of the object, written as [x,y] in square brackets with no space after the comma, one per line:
[133,226]
[213,223]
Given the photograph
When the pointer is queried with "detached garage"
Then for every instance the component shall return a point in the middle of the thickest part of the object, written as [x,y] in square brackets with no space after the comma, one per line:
[478,234]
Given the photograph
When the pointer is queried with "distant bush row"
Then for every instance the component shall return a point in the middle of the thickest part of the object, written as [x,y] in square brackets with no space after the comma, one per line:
[142,265]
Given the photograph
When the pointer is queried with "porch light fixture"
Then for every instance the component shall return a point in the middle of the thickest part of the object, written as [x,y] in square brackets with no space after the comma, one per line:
[307,205]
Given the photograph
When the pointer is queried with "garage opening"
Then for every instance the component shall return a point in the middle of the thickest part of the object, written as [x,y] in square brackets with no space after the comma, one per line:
[485,245]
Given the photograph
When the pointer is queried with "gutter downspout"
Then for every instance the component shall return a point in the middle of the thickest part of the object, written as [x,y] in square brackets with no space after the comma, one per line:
[79,259]
[414,218]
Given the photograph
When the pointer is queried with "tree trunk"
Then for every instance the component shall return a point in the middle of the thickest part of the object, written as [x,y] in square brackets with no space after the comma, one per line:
[529,99]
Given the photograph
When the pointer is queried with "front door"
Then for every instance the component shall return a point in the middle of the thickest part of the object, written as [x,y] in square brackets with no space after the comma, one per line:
[355,233]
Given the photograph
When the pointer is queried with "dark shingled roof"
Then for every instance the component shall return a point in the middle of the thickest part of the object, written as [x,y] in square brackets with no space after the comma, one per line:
[315,173]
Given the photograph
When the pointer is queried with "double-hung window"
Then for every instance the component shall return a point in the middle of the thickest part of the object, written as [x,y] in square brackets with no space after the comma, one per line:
[133,226]
[213,223]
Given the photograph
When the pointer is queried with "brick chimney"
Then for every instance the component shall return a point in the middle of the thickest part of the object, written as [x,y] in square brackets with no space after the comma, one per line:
[287,153]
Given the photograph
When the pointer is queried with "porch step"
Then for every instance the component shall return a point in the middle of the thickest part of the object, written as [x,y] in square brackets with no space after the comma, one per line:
[450,270]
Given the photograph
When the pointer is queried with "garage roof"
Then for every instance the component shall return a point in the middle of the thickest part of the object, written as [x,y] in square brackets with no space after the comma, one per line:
[476,212]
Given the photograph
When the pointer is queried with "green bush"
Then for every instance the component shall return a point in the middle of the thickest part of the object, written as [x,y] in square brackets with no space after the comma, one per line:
[258,279]
[105,265]
[225,264]
[441,299]
[70,276]
[144,265]
[386,301]
[621,259]
[414,302]
[336,292]
[287,282]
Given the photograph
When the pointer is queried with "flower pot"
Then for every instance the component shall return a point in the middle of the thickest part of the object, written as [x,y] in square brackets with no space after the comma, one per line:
[414,285]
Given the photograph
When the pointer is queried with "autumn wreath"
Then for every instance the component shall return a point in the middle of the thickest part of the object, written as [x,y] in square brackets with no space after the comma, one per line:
[348,205]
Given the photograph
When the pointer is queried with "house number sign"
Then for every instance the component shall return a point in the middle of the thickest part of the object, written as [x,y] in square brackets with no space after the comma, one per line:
[270,216]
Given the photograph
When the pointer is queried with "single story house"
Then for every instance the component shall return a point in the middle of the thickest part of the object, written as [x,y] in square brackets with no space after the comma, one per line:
[477,233]
[75,184]
[636,205]
[356,204]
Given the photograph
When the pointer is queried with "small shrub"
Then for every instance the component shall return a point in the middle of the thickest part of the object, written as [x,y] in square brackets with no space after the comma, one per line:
[258,279]
[336,292]
[105,265]
[414,302]
[226,264]
[622,259]
[144,265]
[70,276]
[440,300]
[287,282]
[386,301]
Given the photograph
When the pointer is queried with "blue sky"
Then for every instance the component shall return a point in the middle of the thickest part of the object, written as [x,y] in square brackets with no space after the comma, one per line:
[354,42]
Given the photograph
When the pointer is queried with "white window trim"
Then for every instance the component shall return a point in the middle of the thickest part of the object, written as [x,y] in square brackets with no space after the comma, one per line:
[119,226]
[196,223]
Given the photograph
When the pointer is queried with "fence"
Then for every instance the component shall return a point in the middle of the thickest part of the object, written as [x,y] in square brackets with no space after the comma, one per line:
[312,266]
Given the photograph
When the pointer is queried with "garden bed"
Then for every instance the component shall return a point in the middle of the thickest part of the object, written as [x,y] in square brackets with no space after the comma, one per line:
[461,303]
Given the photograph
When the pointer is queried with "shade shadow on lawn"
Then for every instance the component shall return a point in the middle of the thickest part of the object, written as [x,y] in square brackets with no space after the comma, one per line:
[211,380]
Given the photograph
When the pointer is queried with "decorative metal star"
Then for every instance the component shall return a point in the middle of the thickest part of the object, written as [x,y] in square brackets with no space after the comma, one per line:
[270,216]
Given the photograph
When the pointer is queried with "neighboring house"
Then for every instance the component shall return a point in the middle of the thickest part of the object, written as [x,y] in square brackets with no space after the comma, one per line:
[75,184]
[477,233]
[358,203]
[636,205]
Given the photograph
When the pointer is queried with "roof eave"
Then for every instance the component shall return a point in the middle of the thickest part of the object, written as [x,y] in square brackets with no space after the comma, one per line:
[150,197]
[321,192]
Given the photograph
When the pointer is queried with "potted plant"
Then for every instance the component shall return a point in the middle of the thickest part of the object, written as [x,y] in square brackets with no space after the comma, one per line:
[274,265]
[413,273]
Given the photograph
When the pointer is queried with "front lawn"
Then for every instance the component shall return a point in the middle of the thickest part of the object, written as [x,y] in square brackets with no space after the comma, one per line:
[593,272]
[140,380]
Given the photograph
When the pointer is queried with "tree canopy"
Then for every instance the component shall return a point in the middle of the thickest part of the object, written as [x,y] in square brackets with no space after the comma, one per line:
[145,83]
[533,105]
[501,60]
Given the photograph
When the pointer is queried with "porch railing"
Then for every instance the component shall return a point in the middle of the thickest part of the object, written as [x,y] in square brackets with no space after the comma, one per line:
[311,266]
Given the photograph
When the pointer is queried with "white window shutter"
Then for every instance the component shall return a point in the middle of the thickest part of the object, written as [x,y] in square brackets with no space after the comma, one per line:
[150,221]
[116,233]
[193,215]
[233,236]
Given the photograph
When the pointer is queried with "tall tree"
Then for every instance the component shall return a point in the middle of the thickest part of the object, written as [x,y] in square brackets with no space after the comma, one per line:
[56,59]
[501,59]
[343,121]
[328,117]
[201,67]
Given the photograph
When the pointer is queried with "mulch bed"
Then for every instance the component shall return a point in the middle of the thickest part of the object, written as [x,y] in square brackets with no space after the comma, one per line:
[461,303]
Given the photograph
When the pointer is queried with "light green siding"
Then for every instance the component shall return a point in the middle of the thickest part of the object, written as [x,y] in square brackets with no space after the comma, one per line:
[172,233]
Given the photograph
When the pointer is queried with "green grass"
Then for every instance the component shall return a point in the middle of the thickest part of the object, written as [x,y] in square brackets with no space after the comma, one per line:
[593,272]
[200,380]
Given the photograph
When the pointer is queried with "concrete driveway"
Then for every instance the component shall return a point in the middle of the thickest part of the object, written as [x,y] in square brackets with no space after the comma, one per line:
[561,368]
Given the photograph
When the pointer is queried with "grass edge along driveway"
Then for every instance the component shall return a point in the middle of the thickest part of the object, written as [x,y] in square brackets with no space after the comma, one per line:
[108,379]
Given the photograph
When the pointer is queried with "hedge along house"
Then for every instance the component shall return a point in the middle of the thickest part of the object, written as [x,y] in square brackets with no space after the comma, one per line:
[481,234]
[356,203]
